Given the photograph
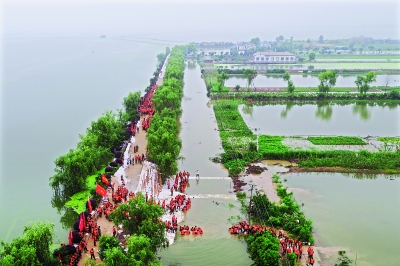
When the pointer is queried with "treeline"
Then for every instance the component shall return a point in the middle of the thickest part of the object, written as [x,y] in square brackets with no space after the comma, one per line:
[164,144]
[93,151]
[310,96]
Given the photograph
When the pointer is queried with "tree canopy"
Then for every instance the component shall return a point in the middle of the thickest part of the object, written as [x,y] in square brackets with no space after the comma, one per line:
[163,134]
[264,249]
[327,80]
[250,75]
[139,253]
[92,152]
[363,83]
[311,56]
[130,103]
[30,249]
[255,41]
[221,78]
[141,217]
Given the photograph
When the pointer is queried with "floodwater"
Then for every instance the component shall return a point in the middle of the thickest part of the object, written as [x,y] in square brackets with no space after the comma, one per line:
[52,89]
[309,81]
[360,216]
[213,203]
[356,119]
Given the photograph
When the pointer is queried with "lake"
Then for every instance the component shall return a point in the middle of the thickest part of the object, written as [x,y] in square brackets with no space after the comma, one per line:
[52,89]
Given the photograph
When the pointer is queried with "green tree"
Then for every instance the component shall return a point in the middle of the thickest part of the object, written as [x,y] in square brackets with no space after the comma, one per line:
[311,56]
[327,80]
[221,78]
[139,253]
[250,75]
[286,76]
[371,48]
[32,248]
[290,88]
[255,41]
[237,88]
[321,39]
[130,103]
[161,57]
[343,260]
[191,48]
[264,249]
[308,41]
[141,217]
[363,83]
[107,242]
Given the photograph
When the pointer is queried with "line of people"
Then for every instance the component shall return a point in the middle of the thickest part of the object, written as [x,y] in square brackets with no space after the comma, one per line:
[287,244]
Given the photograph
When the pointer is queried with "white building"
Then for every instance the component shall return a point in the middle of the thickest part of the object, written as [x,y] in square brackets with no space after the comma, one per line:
[243,47]
[273,57]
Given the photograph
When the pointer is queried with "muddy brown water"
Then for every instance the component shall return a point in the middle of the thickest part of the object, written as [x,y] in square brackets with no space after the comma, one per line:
[213,203]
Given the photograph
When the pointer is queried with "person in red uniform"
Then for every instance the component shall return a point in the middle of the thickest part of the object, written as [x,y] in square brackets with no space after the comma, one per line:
[92,254]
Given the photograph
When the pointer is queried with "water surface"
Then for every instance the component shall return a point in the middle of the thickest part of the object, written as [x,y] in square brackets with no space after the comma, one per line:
[359,119]
[357,215]
[309,81]
[52,89]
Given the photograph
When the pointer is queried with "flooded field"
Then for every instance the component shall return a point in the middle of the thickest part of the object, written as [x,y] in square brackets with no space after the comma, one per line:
[309,81]
[323,119]
[357,215]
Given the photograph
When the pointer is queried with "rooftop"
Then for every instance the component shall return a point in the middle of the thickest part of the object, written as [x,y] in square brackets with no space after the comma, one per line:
[274,53]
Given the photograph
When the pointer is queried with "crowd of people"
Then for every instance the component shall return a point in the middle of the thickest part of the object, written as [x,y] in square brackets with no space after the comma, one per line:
[194,230]
[120,194]
[179,203]
[181,181]
[287,244]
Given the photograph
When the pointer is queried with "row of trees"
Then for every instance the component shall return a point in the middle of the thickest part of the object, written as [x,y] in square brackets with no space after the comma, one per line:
[327,80]
[163,134]
[93,151]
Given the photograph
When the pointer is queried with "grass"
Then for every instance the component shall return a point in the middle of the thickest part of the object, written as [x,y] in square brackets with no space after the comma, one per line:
[337,140]
[78,201]
[393,140]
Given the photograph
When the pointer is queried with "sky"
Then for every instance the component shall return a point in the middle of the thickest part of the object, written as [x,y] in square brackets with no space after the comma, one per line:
[183,21]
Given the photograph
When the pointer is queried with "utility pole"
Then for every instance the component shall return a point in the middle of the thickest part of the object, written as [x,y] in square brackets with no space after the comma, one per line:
[250,207]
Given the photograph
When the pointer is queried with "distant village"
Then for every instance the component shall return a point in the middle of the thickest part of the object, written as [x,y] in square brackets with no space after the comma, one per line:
[290,51]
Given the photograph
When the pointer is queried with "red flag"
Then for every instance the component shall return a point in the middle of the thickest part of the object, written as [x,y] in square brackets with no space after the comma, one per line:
[81,222]
[70,237]
[89,204]
[104,179]
[100,190]
[59,257]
